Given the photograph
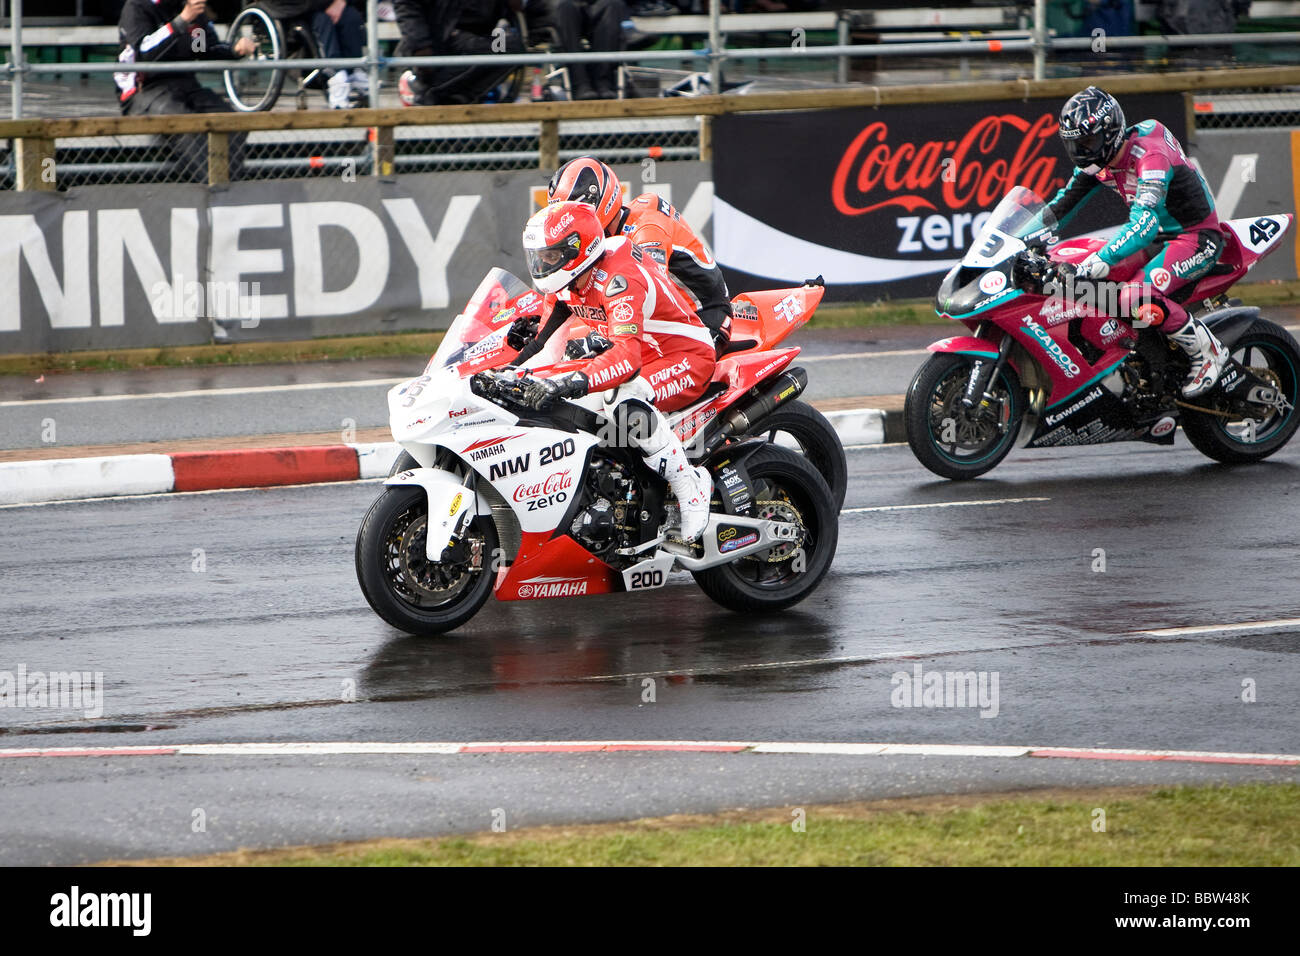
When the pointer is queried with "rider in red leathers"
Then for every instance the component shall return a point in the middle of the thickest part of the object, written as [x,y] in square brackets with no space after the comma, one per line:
[661,232]
[648,345]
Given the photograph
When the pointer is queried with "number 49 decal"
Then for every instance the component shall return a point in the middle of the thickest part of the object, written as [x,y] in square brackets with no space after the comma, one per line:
[1262,230]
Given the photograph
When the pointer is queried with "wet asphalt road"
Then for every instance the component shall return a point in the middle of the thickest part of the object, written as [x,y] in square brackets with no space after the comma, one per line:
[262,645]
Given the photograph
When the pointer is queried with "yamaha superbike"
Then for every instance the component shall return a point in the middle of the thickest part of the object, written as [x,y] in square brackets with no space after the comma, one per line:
[496,496]
[1050,361]
[760,322]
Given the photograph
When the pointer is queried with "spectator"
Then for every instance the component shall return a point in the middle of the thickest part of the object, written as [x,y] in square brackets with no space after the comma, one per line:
[340,32]
[600,22]
[171,31]
[448,28]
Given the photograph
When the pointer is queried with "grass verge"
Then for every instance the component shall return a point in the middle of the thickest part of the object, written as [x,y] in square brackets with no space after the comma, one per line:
[423,344]
[1223,825]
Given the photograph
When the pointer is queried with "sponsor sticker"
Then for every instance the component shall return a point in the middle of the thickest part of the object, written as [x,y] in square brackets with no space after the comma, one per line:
[455,503]
[1163,427]
[558,227]
[1161,278]
[622,312]
[992,282]
[736,543]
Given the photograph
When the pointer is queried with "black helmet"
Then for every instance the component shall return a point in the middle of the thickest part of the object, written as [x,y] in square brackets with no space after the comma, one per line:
[1092,128]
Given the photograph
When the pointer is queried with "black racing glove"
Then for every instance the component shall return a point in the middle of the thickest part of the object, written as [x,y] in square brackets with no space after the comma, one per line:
[588,347]
[522,331]
[539,393]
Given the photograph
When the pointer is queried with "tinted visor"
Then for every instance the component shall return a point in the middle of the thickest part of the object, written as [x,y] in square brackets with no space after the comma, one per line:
[1088,148]
[543,262]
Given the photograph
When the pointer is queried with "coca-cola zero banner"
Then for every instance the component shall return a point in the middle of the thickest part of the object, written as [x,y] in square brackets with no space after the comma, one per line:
[881,201]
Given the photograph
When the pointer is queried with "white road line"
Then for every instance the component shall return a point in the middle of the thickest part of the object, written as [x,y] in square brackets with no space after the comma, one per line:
[201,392]
[176,494]
[1223,628]
[942,504]
[845,356]
[560,747]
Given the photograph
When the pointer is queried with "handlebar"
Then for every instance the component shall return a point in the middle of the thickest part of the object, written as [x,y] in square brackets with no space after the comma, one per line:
[497,387]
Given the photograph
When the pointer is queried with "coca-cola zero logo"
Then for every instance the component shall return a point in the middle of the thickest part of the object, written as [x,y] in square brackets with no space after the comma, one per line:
[971,171]
[557,481]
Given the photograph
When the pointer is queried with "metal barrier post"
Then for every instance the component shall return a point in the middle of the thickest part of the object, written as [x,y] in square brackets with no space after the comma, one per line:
[715,46]
[372,50]
[1040,38]
[842,37]
[16,63]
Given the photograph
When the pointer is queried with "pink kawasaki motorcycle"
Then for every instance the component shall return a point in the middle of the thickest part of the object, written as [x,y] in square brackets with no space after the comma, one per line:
[1050,361]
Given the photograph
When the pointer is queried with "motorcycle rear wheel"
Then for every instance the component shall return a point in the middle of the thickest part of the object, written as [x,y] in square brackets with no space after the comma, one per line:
[402,586]
[785,485]
[816,440]
[1270,352]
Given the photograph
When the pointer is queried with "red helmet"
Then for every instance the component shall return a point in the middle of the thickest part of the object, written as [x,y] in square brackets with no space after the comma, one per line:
[561,242]
[591,181]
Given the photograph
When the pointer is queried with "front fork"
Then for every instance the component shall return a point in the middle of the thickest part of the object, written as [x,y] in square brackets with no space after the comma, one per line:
[976,399]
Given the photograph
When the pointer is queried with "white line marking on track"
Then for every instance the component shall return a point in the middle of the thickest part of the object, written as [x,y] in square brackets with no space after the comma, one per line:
[556,747]
[845,356]
[179,494]
[202,392]
[942,504]
[1223,628]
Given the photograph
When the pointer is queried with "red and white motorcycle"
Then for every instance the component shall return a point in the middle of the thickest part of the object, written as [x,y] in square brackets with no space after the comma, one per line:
[497,497]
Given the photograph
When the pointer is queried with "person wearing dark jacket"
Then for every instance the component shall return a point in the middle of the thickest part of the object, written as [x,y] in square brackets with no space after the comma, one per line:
[339,31]
[600,22]
[449,28]
[175,31]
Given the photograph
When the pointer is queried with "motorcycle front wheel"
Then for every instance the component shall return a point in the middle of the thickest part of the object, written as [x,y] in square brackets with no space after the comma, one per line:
[404,587]
[948,438]
[786,487]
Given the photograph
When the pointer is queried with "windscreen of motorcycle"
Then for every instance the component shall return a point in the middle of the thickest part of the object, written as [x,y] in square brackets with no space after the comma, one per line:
[1020,217]
[480,330]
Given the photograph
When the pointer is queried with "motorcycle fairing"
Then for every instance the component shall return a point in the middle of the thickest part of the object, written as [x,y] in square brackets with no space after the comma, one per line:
[452,505]
[738,374]
[554,567]
[767,317]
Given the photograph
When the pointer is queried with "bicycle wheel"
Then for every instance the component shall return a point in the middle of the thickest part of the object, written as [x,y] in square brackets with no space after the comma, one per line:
[253,90]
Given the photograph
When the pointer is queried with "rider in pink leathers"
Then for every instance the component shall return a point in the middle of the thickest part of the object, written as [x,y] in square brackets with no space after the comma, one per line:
[1169,203]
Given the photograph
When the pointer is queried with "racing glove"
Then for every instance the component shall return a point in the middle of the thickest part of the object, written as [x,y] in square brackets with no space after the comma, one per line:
[541,392]
[588,347]
[1093,267]
[522,331]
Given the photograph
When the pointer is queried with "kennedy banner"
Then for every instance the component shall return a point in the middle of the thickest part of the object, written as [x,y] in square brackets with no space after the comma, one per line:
[119,267]
[882,201]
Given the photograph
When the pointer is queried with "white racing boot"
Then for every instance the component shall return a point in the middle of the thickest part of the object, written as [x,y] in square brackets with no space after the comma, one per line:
[1207,355]
[691,485]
